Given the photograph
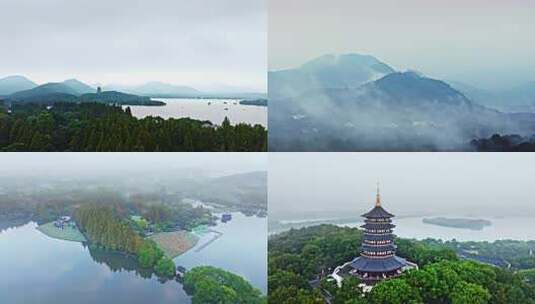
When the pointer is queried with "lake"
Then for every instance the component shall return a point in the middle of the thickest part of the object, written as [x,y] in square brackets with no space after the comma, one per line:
[38,269]
[516,228]
[204,109]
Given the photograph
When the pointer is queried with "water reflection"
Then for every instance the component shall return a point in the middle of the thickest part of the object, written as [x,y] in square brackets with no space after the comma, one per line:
[118,262]
[35,268]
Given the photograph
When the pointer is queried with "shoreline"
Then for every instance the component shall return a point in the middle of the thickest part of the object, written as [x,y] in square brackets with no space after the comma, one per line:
[71,234]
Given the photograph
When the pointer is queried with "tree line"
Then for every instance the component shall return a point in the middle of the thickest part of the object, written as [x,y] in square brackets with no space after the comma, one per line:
[105,229]
[96,127]
[211,285]
[298,256]
[504,143]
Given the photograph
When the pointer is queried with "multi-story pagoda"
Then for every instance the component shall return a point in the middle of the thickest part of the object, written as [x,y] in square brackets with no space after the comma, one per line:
[377,260]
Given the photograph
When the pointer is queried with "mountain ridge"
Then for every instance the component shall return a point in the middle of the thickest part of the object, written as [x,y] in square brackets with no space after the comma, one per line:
[15,83]
[399,111]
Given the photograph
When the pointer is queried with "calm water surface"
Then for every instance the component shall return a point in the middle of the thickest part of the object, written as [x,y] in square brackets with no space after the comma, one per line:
[39,269]
[242,249]
[205,109]
[515,228]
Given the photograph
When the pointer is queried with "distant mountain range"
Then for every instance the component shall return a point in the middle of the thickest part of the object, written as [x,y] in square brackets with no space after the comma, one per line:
[72,90]
[357,103]
[518,99]
[22,90]
[18,89]
[328,71]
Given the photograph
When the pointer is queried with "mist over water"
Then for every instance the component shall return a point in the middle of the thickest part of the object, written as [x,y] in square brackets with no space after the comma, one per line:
[343,185]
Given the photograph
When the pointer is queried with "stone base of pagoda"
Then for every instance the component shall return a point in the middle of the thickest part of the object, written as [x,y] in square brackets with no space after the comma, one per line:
[373,278]
[369,279]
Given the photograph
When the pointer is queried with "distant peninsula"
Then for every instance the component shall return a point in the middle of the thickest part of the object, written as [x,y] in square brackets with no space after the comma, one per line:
[70,92]
[255,102]
[119,98]
[462,223]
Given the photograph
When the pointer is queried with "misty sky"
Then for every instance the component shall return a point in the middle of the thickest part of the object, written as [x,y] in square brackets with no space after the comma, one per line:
[461,184]
[201,43]
[96,164]
[486,43]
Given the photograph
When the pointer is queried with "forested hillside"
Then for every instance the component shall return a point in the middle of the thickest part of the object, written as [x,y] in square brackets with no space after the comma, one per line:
[298,256]
[105,128]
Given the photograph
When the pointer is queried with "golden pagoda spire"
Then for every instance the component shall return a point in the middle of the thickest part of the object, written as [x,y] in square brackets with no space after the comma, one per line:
[378,197]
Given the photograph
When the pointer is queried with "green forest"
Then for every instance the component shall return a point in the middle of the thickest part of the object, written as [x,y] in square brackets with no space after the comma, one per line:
[103,228]
[297,257]
[210,285]
[169,216]
[96,127]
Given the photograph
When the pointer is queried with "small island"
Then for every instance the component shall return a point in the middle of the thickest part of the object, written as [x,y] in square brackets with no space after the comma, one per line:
[462,223]
[207,284]
[256,102]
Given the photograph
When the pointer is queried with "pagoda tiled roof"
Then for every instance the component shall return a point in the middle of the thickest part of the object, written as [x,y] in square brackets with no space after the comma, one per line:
[365,264]
[378,212]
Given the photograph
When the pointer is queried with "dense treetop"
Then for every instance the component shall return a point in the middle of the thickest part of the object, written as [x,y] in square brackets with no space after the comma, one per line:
[104,228]
[298,256]
[106,128]
[210,285]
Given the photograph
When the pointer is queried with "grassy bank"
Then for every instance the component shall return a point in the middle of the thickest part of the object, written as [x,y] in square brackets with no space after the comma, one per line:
[68,233]
[175,243]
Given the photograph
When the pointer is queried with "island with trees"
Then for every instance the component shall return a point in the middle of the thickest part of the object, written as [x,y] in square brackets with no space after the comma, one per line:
[255,102]
[462,223]
[97,127]
[209,284]
[300,261]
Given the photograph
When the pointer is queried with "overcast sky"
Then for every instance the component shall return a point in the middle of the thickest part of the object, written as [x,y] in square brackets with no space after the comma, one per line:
[411,183]
[487,43]
[96,164]
[198,43]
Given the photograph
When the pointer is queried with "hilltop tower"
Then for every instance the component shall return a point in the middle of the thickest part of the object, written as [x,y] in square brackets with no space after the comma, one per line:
[378,260]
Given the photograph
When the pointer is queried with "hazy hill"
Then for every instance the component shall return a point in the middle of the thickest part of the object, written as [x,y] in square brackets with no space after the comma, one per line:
[42,90]
[245,191]
[410,87]
[79,87]
[45,99]
[12,84]
[328,71]
[157,89]
[119,98]
[69,91]
[520,98]
[517,99]
[399,111]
